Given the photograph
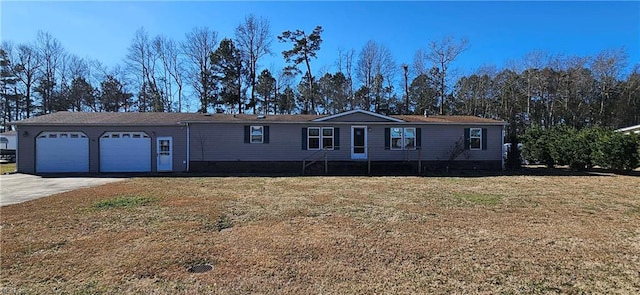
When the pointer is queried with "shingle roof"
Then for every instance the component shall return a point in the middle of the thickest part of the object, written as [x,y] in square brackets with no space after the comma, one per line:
[135,118]
[446,119]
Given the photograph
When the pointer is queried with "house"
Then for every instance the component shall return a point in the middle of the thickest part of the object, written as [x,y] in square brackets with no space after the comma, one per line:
[631,129]
[8,145]
[224,143]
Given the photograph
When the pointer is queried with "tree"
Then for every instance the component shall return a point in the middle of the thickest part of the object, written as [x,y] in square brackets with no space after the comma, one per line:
[197,47]
[253,39]
[423,94]
[265,88]
[345,66]
[227,71]
[287,101]
[10,102]
[26,70]
[441,54]
[82,94]
[141,63]
[607,67]
[50,53]
[304,48]
[113,96]
[374,67]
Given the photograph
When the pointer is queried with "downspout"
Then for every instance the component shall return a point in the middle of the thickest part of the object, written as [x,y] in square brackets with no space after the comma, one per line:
[188,146]
[502,148]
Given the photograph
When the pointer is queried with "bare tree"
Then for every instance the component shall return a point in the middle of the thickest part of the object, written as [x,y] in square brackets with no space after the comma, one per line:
[197,48]
[607,68]
[441,54]
[27,69]
[173,66]
[375,66]
[141,64]
[50,53]
[253,39]
[345,66]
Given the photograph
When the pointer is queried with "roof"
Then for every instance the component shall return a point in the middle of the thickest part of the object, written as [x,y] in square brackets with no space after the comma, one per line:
[338,115]
[9,133]
[168,119]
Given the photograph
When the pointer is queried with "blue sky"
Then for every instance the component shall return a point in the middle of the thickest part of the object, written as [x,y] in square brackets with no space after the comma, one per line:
[498,32]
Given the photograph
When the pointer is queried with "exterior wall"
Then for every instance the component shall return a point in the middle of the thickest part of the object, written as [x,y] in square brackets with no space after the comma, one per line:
[26,159]
[225,143]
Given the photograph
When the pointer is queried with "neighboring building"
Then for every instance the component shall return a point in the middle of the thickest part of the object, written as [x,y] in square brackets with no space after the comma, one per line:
[628,130]
[8,140]
[8,146]
[225,143]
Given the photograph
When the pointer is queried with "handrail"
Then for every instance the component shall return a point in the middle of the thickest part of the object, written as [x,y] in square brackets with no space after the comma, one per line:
[316,159]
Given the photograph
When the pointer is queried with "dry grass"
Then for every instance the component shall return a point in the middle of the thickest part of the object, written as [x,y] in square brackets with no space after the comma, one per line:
[333,235]
[7,167]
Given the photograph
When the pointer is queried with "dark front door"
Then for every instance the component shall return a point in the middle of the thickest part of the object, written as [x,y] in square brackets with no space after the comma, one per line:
[358,142]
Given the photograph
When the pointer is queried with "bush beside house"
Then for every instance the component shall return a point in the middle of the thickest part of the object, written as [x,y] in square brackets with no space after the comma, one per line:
[582,149]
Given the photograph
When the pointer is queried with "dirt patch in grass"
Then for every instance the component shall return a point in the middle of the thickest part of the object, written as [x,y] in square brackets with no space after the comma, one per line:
[334,235]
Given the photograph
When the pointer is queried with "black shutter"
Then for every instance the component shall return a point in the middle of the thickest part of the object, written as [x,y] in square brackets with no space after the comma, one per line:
[484,138]
[336,138]
[247,134]
[304,138]
[467,139]
[265,134]
[387,138]
[418,138]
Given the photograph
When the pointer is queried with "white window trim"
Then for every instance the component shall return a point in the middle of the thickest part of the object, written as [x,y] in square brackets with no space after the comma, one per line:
[321,138]
[403,139]
[251,134]
[309,137]
[478,137]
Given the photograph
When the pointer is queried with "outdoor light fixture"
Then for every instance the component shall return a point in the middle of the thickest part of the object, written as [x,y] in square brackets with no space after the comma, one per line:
[25,133]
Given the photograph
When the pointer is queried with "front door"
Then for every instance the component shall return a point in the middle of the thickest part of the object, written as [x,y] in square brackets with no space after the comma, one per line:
[165,153]
[359,142]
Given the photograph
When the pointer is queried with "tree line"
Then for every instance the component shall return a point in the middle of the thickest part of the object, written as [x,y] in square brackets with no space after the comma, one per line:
[161,74]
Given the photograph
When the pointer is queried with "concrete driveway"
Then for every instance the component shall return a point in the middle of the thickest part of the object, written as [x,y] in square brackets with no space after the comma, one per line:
[18,188]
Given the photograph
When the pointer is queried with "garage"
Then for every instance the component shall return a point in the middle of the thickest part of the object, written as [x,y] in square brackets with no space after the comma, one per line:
[125,152]
[62,152]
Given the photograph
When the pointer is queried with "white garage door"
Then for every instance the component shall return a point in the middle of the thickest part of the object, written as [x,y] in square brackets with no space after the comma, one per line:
[62,152]
[125,152]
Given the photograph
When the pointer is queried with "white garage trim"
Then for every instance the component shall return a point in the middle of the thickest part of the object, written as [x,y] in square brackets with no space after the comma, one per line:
[62,152]
[125,152]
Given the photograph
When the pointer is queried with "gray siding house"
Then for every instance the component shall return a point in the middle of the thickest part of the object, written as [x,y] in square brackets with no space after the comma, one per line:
[351,142]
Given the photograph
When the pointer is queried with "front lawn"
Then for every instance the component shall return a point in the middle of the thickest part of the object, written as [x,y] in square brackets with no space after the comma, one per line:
[329,235]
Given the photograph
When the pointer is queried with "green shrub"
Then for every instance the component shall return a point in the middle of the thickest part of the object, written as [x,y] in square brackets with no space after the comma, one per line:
[535,146]
[618,151]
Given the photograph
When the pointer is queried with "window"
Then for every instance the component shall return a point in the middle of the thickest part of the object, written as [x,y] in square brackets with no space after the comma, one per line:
[327,138]
[320,138]
[402,138]
[257,134]
[396,138]
[313,138]
[316,138]
[475,138]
